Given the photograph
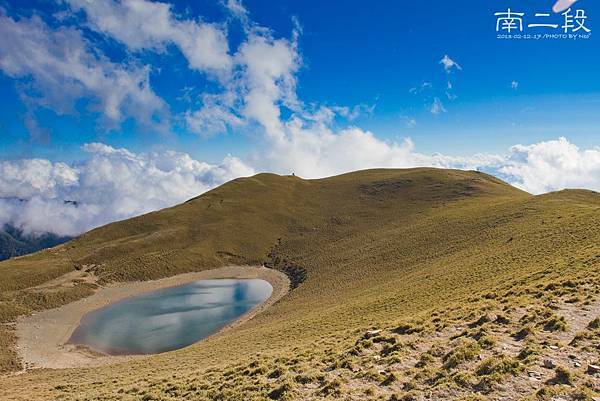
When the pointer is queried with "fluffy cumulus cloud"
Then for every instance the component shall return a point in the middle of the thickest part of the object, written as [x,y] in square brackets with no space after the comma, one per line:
[316,151]
[63,67]
[111,184]
[142,24]
[59,66]
[552,165]
[257,77]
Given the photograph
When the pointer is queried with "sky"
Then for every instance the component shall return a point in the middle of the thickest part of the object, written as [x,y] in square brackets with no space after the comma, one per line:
[115,108]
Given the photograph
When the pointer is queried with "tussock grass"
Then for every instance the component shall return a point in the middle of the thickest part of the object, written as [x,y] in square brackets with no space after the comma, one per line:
[563,376]
[499,364]
[594,324]
[465,351]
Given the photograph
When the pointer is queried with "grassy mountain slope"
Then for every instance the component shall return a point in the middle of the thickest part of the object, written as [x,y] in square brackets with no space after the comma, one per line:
[379,249]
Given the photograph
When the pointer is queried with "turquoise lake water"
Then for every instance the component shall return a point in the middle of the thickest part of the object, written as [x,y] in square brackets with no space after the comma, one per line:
[170,318]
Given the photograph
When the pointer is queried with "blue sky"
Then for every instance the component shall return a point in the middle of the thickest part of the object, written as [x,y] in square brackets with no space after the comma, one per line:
[127,106]
[359,53]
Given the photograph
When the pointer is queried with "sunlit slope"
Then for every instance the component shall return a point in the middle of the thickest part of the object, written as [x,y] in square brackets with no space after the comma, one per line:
[377,247]
[240,221]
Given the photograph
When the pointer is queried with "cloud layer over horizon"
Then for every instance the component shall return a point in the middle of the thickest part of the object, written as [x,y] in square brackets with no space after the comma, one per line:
[39,196]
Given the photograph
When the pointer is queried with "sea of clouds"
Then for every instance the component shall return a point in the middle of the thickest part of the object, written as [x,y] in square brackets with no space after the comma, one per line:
[40,196]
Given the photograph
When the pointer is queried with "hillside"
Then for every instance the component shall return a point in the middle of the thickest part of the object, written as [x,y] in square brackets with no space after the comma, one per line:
[409,284]
[14,243]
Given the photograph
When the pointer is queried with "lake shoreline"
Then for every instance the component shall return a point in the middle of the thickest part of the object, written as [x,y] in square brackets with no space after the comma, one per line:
[42,338]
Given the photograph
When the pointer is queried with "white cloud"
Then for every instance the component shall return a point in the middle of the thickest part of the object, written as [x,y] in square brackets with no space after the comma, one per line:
[437,107]
[27,178]
[217,115]
[260,74]
[424,86]
[451,96]
[112,184]
[449,64]
[352,113]
[312,149]
[409,122]
[257,80]
[237,8]
[65,68]
[142,24]
[552,165]
[268,81]
[316,151]
[514,85]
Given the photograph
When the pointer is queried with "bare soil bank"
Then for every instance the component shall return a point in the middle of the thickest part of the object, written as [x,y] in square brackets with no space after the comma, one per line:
[42,337]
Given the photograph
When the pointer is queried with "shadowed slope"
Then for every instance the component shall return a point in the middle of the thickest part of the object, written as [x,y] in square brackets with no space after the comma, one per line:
[14,242]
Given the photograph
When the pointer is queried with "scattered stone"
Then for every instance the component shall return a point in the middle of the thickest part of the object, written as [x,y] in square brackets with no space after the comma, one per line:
[572,356]
[549,364]
[534,374]
[553,347]
[593,369]
[553,305]
[372,333]
[482,320]
[502,320]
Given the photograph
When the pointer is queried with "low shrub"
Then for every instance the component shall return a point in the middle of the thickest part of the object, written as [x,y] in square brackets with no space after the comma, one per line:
[594,324]
[500,365]
[522,334]
[467,350]
[562,376]
[555,323]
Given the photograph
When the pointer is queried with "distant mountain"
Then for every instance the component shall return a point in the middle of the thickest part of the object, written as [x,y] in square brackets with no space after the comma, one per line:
[13,242]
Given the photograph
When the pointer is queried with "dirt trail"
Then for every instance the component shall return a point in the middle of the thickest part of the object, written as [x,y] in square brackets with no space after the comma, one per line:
[66,281]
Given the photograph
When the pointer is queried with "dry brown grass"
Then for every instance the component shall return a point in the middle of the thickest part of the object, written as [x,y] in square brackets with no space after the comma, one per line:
[379,248]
